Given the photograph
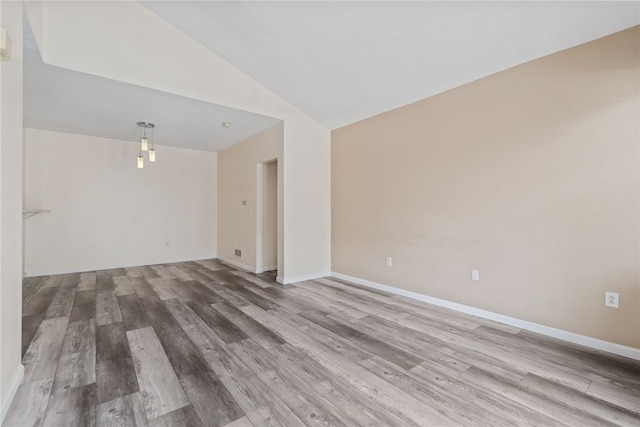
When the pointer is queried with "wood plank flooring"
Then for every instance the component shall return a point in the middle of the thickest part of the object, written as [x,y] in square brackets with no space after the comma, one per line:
[203,344]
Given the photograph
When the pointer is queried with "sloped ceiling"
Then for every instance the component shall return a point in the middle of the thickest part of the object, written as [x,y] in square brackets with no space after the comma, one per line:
[341,62]
[64,100]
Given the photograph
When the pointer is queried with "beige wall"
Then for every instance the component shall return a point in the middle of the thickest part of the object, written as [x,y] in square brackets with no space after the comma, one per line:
[238,178]
[105,212]
[11,207]
[530,175]
[270,216]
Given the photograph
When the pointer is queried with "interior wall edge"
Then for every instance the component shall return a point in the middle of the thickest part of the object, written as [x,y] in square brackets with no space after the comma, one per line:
[12,393]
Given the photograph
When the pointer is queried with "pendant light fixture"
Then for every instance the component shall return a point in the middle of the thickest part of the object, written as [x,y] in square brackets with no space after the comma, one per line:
[144,143]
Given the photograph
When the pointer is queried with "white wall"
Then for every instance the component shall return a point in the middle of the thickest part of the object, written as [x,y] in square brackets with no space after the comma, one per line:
[105,212]
[307,202]
[11,207]
[108,39]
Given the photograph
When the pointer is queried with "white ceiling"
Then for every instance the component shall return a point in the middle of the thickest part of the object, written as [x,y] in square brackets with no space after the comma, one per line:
[63,100]
[344,61]
[339,62]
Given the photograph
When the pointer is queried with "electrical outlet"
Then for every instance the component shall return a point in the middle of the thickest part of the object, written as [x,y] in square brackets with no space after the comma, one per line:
[612,299]
[389,262]
[475,274]
[238,253]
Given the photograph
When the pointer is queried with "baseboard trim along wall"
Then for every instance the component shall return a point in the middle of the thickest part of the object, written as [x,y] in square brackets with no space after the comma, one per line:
[279,279]
[265,269]
[621,350]
[239,265]
[12,393]
[290,280]
[126,265]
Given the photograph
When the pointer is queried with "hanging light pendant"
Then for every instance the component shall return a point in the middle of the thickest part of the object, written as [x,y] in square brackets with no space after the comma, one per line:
[144,143]
[152,152]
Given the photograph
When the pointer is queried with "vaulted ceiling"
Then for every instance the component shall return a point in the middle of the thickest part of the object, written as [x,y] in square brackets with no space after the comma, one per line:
[64,100]
[341,62]
[344,61]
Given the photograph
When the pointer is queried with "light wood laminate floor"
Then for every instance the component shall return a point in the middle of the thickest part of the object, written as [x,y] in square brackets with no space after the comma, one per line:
[203,344]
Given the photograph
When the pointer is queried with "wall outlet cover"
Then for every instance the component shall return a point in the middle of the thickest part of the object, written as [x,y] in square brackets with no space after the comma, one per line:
[612,299]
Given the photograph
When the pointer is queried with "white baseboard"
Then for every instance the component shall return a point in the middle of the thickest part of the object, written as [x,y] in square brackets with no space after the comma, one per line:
[12,392]
[290,280]
[265,269]
[238,264]
[39,272]
[621,350]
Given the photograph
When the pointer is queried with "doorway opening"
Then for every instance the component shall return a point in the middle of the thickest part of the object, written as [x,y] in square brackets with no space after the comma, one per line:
[267,217]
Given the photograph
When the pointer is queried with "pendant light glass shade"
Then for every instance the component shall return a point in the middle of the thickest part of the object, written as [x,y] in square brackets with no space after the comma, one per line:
[146,144]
